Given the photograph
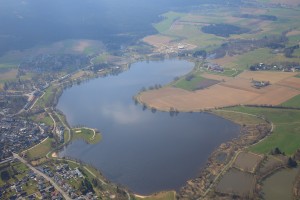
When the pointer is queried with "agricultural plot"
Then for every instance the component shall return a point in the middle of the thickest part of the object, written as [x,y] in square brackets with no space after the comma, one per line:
[271,163]
[293,102]
[280,185]
[247,161]
[285,135]
[229,92]
[292,82]
[236,182]
[273,77]
[194,83]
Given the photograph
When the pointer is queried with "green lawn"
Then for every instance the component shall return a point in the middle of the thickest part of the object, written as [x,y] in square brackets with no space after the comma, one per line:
[294,102]
[86,135]
[165,24]
[286,134]
[188,85]
[40,150]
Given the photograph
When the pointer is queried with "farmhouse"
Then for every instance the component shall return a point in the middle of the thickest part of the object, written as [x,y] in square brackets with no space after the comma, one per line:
[260,84]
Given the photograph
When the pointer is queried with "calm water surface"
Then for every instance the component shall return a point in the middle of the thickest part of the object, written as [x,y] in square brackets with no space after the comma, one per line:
[145,151]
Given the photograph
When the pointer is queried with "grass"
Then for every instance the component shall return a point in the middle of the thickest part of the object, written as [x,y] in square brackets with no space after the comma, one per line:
[40,150]
[238,117]
[227,72]
[17,166]
[101,58]
[168,195]
[170,17]
[189,85]
[286,134]
[86,135]
[293,102]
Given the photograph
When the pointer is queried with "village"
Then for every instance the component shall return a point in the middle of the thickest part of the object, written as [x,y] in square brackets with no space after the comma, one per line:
[18,135]
[19,182]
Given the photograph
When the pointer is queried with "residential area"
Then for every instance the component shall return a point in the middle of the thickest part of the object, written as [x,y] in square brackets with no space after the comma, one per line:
[19,134]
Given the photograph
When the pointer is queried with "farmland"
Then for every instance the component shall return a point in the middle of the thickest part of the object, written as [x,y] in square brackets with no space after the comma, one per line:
[236,182]
[280,185]
[229,92]
[285,135]
[247,161]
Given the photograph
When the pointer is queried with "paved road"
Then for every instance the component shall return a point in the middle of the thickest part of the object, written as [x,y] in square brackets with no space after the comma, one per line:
[43,175]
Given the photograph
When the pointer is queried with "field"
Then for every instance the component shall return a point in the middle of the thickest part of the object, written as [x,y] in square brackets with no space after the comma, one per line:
[292,82]
[247,161]
[40,150]
[285,135]
[229,92]
[195,82]
[293,102]
[288,2]
[157,40]
[236,182]
[186,27]
[7,75]
[86,134]
[239,118]
[159,196]
[280,185]
[270,163]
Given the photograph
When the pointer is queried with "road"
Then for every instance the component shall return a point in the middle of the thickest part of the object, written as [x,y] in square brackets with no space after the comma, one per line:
[43,175]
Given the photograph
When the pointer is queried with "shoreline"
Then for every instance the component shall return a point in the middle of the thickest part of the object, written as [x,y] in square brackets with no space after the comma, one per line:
[208,162]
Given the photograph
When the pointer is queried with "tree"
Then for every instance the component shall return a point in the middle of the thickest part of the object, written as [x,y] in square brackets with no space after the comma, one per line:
[86,187]
[5,175]
[292,163]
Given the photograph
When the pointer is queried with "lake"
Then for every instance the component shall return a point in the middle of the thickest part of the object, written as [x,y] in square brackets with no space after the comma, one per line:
[145,151]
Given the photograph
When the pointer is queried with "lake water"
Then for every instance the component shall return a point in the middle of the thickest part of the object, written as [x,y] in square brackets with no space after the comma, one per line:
[147,152]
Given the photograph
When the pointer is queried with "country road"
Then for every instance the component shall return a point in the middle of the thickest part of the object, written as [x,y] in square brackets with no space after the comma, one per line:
[43,175]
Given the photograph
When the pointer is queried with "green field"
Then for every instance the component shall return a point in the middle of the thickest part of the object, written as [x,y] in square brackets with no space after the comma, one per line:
[165,24]
[86,135]
[286,134]
[40,150]
[188,85]
[293,102]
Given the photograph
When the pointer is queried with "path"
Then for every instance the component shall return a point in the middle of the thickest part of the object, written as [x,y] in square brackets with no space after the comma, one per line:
[54,122]
[43,175]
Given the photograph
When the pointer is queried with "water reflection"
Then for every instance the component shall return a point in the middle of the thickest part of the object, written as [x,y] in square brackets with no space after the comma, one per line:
[146,150]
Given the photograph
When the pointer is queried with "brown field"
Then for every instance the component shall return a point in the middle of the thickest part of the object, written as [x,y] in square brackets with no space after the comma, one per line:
[236,182]
[225,61]
[273,77]
[275,96]
[157,40]
[292,82]
[80,46]
[11,74]
[217,77]
[215,96]
[287,2]
[229,92]
[293,32]
[243,84]
[247,161]
[254,11]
